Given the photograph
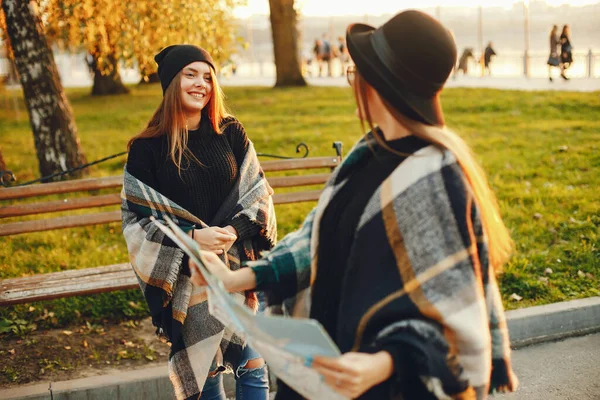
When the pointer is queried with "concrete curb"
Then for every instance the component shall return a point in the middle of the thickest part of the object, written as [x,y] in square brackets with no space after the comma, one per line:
[553,321]
[527,326]
[147,383]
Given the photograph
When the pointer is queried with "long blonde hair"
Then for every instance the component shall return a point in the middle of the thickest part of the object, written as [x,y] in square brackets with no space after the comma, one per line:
[170,120]
[500,245]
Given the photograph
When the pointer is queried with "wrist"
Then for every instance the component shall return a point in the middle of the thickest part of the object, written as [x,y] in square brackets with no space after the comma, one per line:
[240,280]
[383,366]
[231,229]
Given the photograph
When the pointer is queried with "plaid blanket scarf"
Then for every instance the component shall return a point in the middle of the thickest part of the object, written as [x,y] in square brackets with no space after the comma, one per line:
[178,308]
[418,282]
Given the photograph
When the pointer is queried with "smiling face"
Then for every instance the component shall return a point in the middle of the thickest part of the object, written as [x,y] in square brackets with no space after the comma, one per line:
[196,87]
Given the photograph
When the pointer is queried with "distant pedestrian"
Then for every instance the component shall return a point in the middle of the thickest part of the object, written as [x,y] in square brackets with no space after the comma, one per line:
[343,54]
[326,54]
[553,58]
[566,50]
[90,61]
[307,66]
[487,57]
[463,61]
[318,53]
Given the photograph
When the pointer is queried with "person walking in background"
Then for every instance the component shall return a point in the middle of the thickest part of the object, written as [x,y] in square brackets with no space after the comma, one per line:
[398,261]
[194,163]
[487,58]
[566,50]
[553,58]
[343,54]
[327,54]
[318,55]
[463,61]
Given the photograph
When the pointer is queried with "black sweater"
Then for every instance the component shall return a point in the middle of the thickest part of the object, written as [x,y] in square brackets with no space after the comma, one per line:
[337,228]
[339,222]
[200,189]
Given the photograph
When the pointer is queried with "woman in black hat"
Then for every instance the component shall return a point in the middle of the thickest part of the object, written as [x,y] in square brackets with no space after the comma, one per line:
[566,50]
[194,163]
[553,58]
[398,260]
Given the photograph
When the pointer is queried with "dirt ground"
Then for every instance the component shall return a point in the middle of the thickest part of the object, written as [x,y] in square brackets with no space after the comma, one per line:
[79,351]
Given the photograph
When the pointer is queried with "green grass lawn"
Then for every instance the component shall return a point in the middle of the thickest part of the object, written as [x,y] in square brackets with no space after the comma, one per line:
[540,150]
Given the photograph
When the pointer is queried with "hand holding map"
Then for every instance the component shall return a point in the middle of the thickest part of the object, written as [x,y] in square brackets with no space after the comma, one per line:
[286,344]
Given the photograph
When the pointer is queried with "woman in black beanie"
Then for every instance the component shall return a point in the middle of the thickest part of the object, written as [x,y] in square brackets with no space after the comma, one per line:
[194,163]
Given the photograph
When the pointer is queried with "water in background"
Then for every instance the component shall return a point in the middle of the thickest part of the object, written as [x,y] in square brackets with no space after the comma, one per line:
[75,73]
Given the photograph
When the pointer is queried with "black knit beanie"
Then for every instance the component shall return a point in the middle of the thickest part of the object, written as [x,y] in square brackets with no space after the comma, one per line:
[174,58]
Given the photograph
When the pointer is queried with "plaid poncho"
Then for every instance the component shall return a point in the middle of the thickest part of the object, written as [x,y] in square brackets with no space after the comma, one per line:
[418,282]
[178,308]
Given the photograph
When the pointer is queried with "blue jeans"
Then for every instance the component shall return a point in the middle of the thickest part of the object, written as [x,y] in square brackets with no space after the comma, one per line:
[250,384]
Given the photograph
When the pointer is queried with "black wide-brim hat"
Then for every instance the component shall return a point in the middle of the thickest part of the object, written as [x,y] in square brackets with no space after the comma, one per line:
[407,61]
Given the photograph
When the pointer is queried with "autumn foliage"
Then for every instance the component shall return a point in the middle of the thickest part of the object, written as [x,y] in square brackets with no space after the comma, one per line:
[135,31]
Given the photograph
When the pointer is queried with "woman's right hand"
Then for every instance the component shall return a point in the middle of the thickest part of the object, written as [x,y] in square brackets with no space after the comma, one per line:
[215,239]
[233,281]
[214,265]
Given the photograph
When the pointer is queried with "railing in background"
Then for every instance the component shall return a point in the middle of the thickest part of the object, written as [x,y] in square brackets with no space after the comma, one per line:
[586,64]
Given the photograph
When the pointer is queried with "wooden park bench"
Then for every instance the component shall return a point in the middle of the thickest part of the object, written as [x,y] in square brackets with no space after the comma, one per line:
[118,276]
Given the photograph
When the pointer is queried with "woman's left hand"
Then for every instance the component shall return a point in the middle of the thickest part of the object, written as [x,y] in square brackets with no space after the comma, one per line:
[352,374]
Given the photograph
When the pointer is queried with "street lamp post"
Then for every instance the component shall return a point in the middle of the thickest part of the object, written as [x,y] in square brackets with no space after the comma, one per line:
[480,37]
[251,45]
[526,53]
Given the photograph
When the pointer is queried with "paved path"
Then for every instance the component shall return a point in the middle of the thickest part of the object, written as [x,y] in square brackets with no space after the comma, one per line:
[564,370]
[577,85]
[510,83]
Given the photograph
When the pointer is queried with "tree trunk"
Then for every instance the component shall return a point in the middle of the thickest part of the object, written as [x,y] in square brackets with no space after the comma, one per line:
[109,82]
[13,74]
[285,43]
[50,114]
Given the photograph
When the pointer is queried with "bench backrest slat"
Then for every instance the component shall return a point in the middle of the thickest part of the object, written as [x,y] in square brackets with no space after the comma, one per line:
[115,198]
[60,205]
[296,197]
[81,185]
[299,180]
[78,185]
[300,163]
[72,221]
[115,182]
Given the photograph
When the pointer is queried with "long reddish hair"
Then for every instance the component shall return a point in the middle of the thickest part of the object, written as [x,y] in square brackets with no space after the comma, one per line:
[500,244]
[169,119]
